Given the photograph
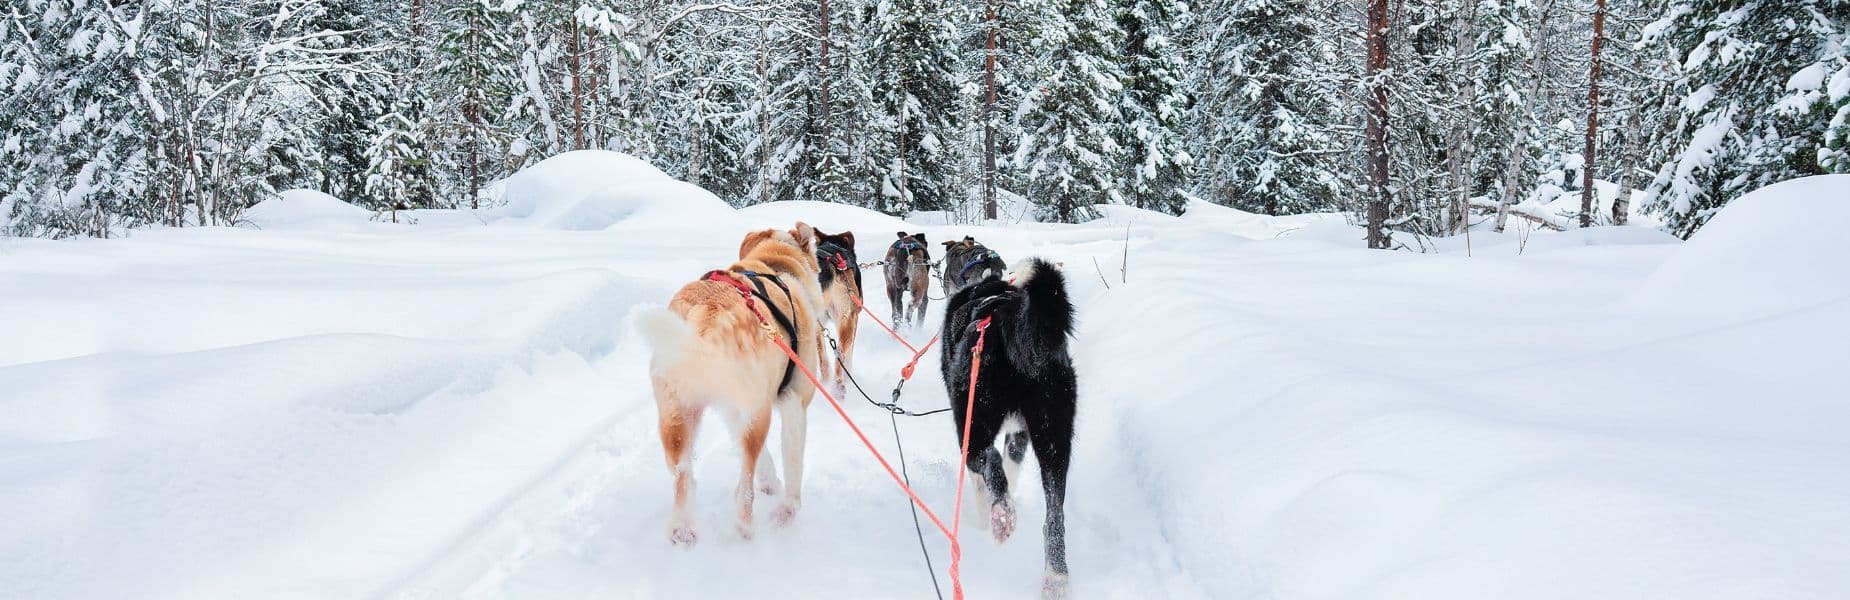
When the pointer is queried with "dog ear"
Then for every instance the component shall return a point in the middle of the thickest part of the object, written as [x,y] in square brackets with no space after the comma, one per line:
[752,240]
[805,236]
[919,236]
[902,235]
[947,244]
[848,238]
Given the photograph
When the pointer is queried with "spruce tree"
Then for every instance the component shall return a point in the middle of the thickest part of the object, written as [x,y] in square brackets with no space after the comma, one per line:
[1156,161]
[1069,152]
[1753,109]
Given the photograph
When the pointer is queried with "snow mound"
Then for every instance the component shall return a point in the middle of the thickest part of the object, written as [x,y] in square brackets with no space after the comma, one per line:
[597,189]
[827,216]
[307,210]
[1253,225]
[1777,248]
[1119,214]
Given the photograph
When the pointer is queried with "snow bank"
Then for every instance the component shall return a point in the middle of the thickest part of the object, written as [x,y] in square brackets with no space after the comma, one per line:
[301,209]
[227,413]
[598,189]
[1257,226]
[827,216]
[1781,247]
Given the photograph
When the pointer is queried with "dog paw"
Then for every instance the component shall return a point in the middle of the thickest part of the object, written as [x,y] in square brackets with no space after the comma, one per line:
[746,531]
[784,514]
[1001,521]
[1053,586]
[682,536]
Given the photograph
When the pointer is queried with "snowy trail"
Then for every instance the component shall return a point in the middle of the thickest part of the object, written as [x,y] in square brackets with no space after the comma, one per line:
[456,410]
[600,532]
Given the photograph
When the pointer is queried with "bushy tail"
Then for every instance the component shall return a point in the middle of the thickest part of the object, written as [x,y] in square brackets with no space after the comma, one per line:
[668,335]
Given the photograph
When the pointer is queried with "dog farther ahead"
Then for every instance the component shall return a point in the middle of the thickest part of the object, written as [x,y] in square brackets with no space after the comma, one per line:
[908,273]
[711,351]
[1027,381]
[967,261]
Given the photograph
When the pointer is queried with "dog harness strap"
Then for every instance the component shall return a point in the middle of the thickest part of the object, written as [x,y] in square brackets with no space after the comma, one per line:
[790,327]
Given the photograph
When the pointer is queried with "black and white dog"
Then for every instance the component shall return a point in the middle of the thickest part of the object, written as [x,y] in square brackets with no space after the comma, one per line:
[1026,382]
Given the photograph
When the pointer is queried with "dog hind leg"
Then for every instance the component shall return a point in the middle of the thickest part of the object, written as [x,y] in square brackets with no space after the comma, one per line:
[751,447]
[793,411]
[1053,449]
[679,423]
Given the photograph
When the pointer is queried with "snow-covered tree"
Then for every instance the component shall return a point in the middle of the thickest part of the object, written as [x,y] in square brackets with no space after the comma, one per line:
[1157,161]
[916,94]
[1266,112]
[1069,153]
[1755,105]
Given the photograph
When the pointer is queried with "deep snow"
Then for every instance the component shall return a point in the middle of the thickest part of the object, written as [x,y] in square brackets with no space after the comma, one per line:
[460,409]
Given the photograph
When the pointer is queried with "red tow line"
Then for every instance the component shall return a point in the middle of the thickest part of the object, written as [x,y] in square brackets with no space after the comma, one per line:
[976,362]
[905,373]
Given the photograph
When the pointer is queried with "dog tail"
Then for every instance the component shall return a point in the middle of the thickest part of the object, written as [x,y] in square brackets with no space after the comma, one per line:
[668,335]
[1043,318]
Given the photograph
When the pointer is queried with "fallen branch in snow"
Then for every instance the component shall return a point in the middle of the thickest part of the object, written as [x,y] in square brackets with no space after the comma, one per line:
[1527,211]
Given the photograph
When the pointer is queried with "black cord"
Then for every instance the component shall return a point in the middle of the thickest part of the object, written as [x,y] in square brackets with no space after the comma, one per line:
[916,528]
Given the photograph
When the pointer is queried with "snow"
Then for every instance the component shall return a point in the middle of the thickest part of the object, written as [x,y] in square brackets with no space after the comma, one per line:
[597,189]
[1763,253]
[305,210]
[460,409]
[1807,79]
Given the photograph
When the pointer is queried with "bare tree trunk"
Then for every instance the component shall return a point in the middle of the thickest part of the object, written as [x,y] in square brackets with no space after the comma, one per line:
[1512,168]
[473,111]
[989,115]
[900,183]
[1460,145]
[764,114]
[578,98]
[1634,125]
[1377,132]
[1593,67]
[824,123]
[697,134]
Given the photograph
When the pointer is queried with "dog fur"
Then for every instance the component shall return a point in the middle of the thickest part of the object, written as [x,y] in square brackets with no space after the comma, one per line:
[908,273]
[711,351]
[1027,380]
[841,292]
[967,261]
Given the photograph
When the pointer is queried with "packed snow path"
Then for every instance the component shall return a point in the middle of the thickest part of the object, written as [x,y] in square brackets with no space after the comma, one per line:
[458,410]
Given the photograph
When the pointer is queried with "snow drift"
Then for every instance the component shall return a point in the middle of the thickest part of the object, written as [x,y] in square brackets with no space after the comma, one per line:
[598,189]
[306,210]
[1781,247]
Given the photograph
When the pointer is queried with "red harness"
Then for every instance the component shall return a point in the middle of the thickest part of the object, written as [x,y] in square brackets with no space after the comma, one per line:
[744,292]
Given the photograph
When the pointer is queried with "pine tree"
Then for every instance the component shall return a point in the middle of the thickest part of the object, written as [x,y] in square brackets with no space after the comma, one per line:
[1752,88]
[73,143]
[1264,117]
[1156,160]
[1069,151]
[916,93]
[397,172]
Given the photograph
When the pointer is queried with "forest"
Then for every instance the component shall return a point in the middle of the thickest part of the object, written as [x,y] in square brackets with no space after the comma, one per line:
[1421,117]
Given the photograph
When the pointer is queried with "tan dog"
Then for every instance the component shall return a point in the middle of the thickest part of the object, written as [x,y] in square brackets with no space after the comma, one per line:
[712,350]
[841,294]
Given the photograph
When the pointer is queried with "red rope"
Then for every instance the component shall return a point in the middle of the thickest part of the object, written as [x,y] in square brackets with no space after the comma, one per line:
[957,511]
[957,586]
[905,373]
